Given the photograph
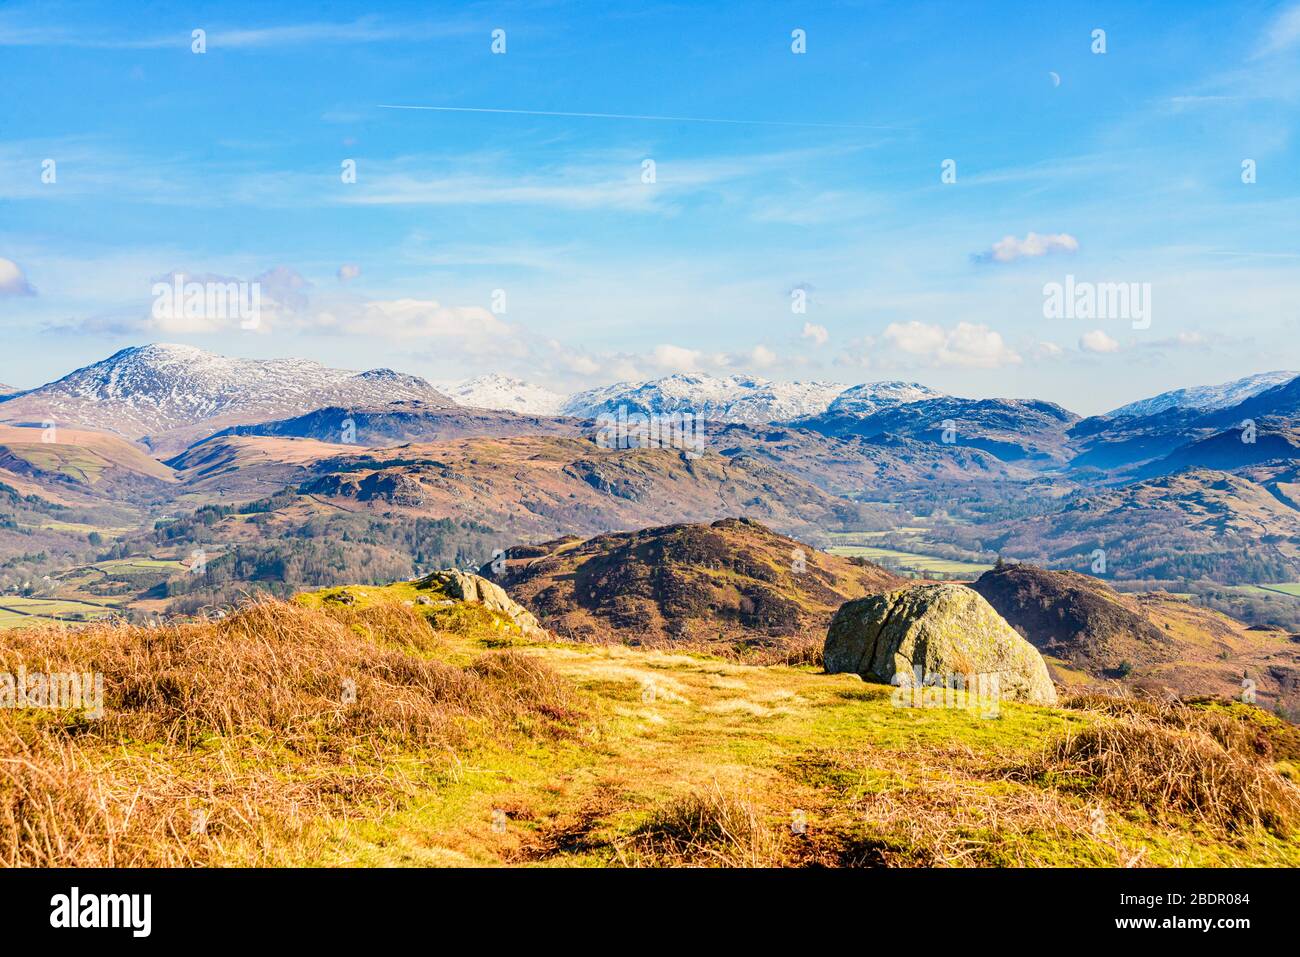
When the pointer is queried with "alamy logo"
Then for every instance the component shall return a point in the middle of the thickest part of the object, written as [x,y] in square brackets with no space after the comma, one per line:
[209,300]
[74,909]
[651,430]
[55,690]
[1098,300]
[922,689]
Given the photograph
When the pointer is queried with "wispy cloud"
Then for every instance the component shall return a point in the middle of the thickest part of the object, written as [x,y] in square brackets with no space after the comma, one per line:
[1282,35]
[727,121]
[14,33]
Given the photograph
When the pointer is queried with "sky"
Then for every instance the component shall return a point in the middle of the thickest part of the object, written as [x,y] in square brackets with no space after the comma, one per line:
[624,191]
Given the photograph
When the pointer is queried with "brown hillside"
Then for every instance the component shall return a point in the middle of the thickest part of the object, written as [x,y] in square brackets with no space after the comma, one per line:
[535,487]
[1074,617]
[1091,634]
[733,582]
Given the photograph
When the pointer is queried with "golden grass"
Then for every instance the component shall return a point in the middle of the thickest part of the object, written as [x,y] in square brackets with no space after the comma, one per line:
[234,742]
[236,732]
[1237,727]
[713,828]
[1170,758]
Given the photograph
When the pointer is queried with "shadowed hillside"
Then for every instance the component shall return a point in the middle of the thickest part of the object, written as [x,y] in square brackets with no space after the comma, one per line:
[1092,634]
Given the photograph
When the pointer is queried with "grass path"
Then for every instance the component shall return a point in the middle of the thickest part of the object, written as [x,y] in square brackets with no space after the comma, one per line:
[865,778]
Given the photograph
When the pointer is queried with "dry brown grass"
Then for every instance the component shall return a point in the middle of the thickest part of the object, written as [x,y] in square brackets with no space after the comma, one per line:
[1210,765]
[802,650]
[309,678]
[713,828]
[1237,727]
[255,724]
[948,810]
[948,822]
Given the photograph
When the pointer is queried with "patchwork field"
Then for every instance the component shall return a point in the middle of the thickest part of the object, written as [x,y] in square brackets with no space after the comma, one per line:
[16,611]
[912,561]
[1291,589]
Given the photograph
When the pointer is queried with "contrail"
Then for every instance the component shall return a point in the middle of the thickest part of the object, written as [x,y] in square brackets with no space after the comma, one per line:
[632,116]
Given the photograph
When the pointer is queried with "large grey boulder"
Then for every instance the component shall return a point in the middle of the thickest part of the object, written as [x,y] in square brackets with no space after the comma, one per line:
[944,630]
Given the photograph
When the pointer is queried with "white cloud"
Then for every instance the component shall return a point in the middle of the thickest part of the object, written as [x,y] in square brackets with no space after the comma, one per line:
[12,280]
[968,345]
[762,357]
[670,358]
[277,298]
[1283,33]
[286,302]
[1009,248]
[284,288]
[1046,350]
[465,330]
[916,338]
[582,365]
[816,333]
[1097,341]
[348,271]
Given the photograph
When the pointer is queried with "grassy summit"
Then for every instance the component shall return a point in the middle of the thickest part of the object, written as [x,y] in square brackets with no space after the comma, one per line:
[350,727]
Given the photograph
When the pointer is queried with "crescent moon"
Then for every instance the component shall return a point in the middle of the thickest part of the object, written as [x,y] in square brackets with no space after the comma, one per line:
[1056,78]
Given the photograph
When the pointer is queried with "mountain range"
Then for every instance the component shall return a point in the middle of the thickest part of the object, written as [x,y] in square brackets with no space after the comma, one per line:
[146,390]
[1201,482]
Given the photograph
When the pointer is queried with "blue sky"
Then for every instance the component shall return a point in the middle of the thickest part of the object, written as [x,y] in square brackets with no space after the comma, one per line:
[825,178]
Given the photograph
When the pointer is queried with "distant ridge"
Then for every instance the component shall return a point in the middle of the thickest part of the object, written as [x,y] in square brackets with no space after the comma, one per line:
[1204,397]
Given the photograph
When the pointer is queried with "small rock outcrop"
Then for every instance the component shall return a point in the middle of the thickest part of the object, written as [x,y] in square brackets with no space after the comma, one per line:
[463,586]
[941,629]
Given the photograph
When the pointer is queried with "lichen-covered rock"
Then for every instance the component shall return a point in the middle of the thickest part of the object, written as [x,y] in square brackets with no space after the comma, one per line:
[942,630]
[463,586]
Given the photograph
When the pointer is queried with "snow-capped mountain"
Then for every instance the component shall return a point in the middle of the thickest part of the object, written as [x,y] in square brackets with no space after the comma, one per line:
[494,391]
[735,398]
[872,396]
[147,390]
[1206,398]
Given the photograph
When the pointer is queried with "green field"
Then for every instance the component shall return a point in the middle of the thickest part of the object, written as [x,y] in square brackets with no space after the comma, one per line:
[1291,589]
[119,566]
[76,463]
[15,611]
[862,538]
[912,561]
[81,527]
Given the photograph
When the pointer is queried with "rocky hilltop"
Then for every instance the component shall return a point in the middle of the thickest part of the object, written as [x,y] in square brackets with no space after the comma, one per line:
[732,581]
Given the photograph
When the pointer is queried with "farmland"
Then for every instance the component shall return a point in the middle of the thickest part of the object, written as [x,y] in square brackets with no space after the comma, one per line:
[15,610]
[912,561]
